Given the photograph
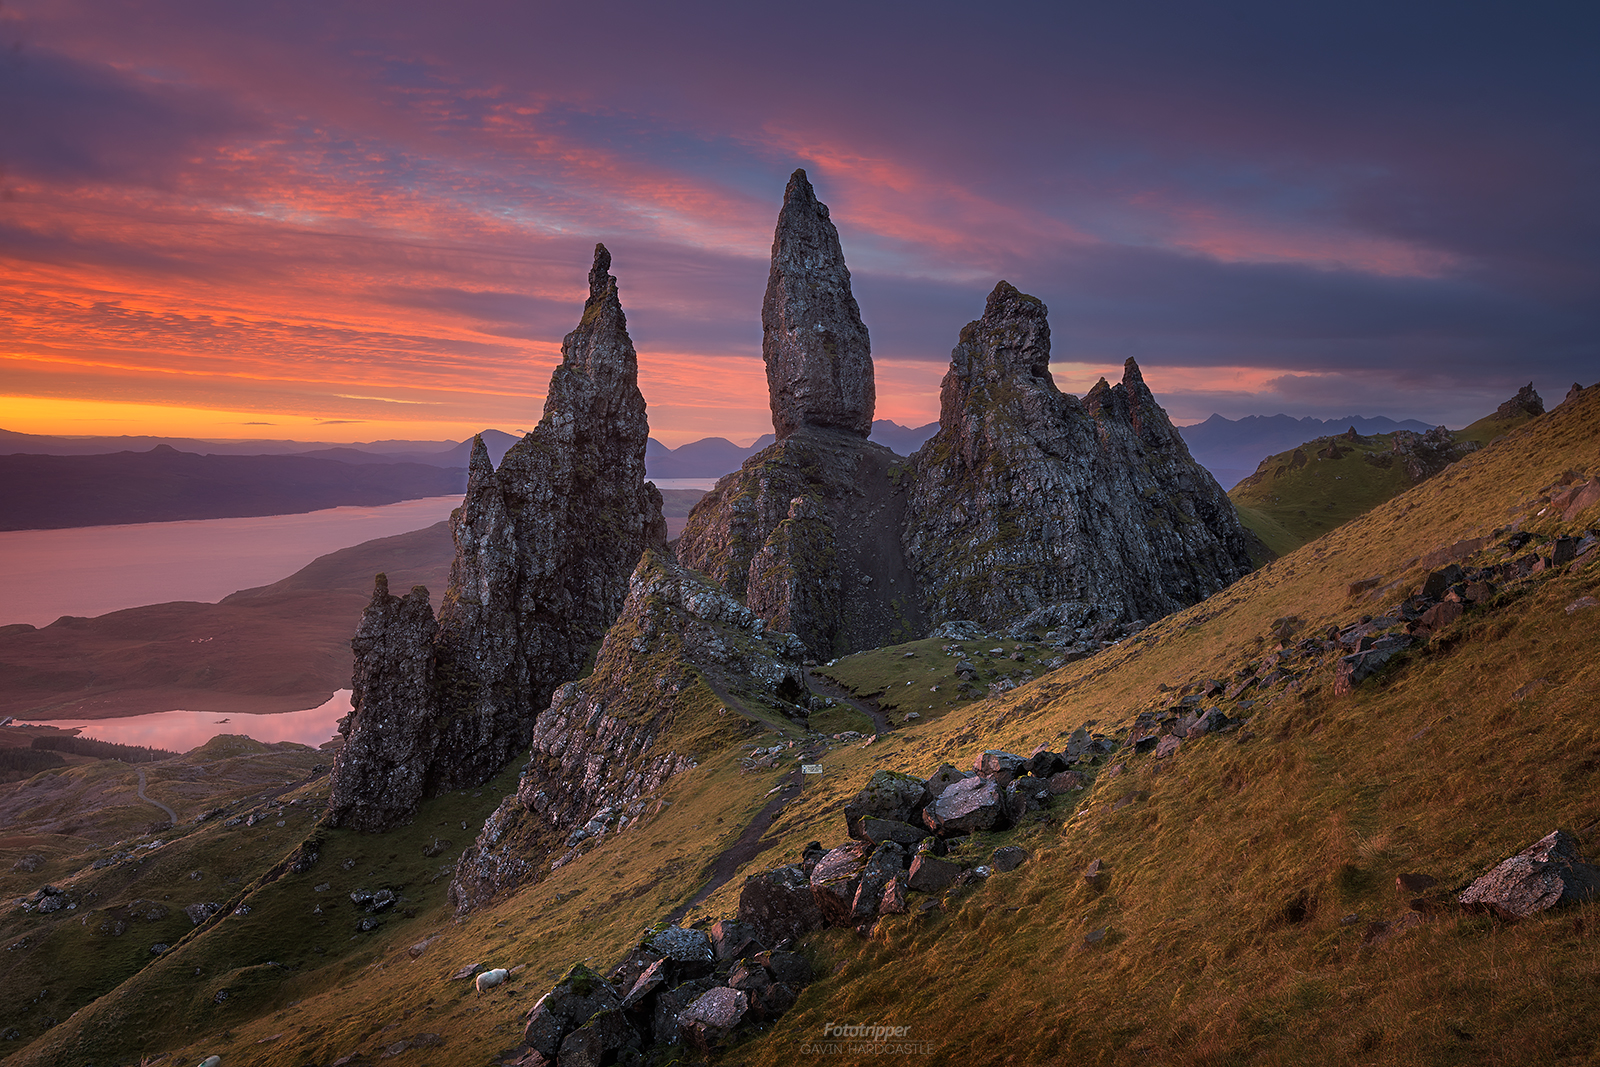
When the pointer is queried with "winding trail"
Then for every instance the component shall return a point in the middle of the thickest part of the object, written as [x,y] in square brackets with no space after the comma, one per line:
[869,708]
[172,816]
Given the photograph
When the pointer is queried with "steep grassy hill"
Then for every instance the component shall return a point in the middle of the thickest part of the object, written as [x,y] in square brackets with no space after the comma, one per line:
[1247,910]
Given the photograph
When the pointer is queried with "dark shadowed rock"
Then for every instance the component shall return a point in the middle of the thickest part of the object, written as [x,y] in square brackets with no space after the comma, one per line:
[731,939]
[893,901]
[598,1041]
[388,732]
[1526,402]
[999,767]
[818,356]
[1093,509]
[1008,858]
[778,905]
[878,831]
[929,874]
[1549,873]
[887,862]
[576,999]
[544,548]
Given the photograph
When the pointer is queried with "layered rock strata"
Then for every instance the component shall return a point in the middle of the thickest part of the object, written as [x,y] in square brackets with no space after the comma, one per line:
[1029,501]
[544,549]
[679,651]
[806,532]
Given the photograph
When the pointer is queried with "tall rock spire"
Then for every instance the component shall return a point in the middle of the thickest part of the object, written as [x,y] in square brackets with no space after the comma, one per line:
[819,358]
[544,548]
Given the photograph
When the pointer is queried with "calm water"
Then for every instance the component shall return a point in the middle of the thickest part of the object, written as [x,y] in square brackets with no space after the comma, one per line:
[91,570]
[179,731]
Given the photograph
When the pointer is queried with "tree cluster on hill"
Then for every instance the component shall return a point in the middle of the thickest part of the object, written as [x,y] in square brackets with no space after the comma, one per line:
[88,746]
[17,764]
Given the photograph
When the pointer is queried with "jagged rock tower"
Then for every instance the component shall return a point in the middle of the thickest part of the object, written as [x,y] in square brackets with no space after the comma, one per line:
[544,548]
[1027,501]
[807,531]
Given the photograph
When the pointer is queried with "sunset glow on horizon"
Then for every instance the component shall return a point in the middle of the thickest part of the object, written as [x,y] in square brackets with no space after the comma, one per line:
[309,222]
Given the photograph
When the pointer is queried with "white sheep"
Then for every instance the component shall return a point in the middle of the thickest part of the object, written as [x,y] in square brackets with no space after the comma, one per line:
[490,979]
[211,1061]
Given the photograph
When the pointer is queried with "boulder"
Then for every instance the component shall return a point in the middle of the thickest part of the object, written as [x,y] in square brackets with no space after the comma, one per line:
[999,767]
[971,804]
[665,1026]
[578,997]
[689,949]
[1045,763]
[893,901]
[835,879]
[652,978]
[946,776]
[779,905]
[1008,858]
[731,939]
[713,1016]
[876,831]
[1066,782]
[1547,874]
[887,862]
[598,1041]
[888,795]
[930,874]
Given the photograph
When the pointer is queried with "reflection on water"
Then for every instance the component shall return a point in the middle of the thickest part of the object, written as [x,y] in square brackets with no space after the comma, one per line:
[90,570]
[179,731]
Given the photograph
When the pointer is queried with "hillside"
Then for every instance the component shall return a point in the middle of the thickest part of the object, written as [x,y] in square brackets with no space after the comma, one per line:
[1245,908]
[1297,495]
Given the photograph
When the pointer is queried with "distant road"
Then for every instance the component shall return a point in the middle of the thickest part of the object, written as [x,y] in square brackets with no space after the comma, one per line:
[172,816]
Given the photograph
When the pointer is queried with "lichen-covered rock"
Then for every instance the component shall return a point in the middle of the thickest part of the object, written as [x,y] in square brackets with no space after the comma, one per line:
[603,746]
[544,548]
[1027,498]
[381,772]
[1549,873]
[1526,402]
[818,355]
[888,795]
[578,997]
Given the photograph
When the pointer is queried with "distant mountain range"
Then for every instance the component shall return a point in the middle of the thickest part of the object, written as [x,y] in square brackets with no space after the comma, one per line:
[44,496]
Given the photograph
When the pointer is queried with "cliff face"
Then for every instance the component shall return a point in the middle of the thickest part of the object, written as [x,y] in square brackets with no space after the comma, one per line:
[680,648]
[807,530]
[388,732]
[1027,500]
[544,547]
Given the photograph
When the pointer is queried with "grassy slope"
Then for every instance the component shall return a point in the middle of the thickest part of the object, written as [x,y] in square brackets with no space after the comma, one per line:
[1434,767]
[1287,506]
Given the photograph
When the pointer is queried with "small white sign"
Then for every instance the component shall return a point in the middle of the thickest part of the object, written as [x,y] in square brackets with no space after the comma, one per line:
[810,768]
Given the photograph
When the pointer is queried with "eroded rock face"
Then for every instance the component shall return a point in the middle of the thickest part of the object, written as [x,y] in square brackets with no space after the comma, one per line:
[383,764]
[1425,454]
[544,548]
[1028,500]
[807,531]
[1526,402]
[602,747]
[818,355]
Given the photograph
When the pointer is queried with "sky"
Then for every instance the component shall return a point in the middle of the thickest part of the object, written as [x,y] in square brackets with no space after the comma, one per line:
[355,221]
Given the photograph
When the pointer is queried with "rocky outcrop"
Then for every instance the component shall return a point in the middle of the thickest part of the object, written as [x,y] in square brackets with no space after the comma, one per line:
[1547,874]
[1425,454]
[1526,402]
[818,355]
[806,532]
[1028,501]
[604,745]
[388,733]
[544,548]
